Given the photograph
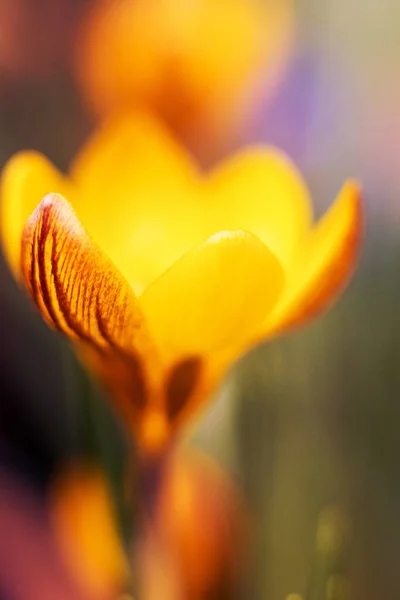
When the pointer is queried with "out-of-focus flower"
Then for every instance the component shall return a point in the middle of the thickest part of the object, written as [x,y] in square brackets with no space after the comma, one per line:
[175,550]
[193,61]
[201,527]
[184,271]
[84,524]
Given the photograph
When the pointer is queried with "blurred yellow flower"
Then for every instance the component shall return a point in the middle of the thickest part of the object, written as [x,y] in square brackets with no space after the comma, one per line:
[193,61]
[183,272]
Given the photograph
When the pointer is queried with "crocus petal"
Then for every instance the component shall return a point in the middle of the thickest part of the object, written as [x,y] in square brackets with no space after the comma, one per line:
[77,289]
[218,292]
[134,162]
[26,179]
[324,264]
[261,191]
[85,527]
[135,145]
[81,293]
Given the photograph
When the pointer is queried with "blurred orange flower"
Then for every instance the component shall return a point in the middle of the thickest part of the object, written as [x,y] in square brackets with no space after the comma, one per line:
[173,545]
[183,273]
[201,527]
[193,61]
[85,527]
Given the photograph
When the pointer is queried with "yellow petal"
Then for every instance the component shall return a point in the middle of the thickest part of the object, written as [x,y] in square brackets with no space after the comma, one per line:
[133,165]
[77,289]
[261,191]
[217,293]
[324,264]
[26,179]
[136,146]
[84,524]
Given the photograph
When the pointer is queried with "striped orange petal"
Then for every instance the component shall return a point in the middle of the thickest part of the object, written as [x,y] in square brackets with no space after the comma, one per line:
[81,293]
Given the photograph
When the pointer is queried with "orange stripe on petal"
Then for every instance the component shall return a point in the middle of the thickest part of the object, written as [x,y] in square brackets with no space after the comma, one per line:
[325,264]
[77,289]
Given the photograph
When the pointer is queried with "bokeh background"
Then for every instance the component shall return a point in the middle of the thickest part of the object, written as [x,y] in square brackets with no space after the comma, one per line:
[309,424]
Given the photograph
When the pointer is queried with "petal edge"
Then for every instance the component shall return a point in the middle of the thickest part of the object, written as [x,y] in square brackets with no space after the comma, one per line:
[219,292]
[326,265]
[26,178]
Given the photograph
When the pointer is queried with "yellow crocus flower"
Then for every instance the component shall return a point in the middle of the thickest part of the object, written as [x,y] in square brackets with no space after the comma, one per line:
[182,272]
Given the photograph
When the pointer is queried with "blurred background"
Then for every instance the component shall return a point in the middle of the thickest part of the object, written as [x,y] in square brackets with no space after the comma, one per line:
[309,424]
